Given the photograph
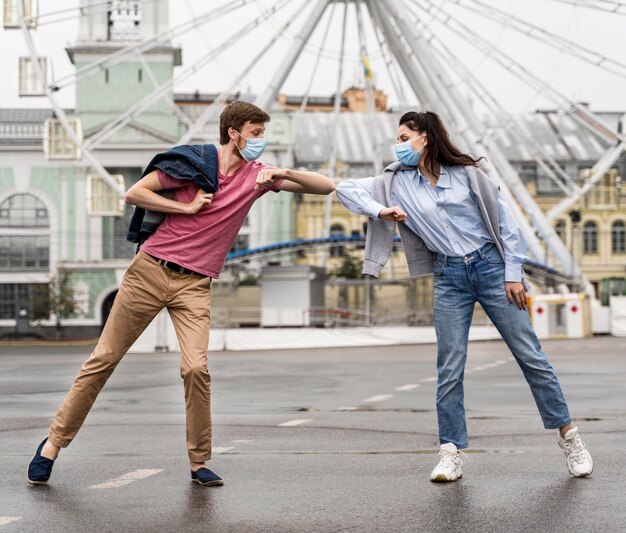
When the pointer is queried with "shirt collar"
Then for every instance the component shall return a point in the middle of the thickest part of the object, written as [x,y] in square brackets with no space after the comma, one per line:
[444,178]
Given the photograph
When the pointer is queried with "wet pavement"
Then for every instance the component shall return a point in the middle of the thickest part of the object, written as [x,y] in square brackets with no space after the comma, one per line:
[315,440]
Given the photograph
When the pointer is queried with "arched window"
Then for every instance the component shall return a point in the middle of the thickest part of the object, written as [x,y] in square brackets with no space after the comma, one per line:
[560,229]
[618,237]
[590,238]
[337,230]
[24,234]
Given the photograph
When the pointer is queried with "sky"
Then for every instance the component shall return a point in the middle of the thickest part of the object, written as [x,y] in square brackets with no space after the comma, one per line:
[572,78]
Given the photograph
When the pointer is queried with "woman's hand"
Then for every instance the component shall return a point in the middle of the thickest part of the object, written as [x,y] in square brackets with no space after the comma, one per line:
[515,293]
[393,214]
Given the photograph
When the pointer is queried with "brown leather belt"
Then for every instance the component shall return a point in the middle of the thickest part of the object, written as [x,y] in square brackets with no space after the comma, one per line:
[176,267]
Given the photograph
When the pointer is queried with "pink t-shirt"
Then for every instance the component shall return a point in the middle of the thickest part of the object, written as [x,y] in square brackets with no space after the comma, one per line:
[202,241]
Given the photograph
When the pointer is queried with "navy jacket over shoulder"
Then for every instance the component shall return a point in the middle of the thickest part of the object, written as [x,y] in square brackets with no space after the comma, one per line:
[197,162]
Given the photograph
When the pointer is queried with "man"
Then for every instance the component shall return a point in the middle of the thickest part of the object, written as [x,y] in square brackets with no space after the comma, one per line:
[174,268]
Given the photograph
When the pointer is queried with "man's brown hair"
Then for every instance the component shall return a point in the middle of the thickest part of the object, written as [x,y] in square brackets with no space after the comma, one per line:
[236,114]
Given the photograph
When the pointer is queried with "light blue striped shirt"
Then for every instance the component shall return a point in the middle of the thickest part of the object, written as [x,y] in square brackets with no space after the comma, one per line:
[446,217]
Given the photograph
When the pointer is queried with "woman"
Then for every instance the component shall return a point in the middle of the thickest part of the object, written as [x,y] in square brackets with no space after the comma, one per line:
[454,222]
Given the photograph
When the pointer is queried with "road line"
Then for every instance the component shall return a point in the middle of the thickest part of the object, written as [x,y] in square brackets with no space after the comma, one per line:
[426,380]
[125,479]
[410,386]
[379,398]
[244,440]
[4,520]
[295,422]
[220,449]
[347,409]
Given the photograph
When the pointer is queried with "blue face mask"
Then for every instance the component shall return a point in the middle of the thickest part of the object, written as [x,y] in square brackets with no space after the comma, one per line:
[254,148]
[406,155]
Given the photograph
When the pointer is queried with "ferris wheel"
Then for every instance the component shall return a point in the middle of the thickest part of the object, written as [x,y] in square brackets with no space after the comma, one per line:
[414,49]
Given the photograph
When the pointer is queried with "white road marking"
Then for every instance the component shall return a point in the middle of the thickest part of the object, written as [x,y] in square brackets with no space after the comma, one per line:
[347,409]
[295,422]
[127,478]
[379,398]
[244,440]
[4,520]
[221,449]
[426,380]
[410,386]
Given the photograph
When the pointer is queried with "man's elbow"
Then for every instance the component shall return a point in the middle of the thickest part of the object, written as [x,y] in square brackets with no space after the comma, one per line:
[129,197]
[330,188]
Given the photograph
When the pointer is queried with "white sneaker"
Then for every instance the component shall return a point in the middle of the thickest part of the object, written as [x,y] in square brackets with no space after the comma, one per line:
[449,467]
[578,459]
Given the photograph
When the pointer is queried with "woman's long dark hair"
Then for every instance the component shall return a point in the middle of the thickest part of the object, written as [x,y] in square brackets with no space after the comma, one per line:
[440,147]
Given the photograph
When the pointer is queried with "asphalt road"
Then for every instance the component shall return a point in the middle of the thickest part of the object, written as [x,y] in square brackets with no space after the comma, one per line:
[315,440]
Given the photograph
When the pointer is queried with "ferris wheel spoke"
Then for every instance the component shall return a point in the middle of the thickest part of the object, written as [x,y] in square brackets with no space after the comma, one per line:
[123,119]
[269,94]
[613,8]
[539,34]
[215,107]
[403,55]
[582,115]
[549,165]
[134,49]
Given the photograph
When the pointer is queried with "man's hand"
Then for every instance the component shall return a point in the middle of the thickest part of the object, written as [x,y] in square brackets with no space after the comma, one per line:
[515,293]
[201,200]
[394,214]
[266,177]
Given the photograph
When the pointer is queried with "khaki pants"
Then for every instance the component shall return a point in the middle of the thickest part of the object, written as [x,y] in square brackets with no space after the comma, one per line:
[147,288]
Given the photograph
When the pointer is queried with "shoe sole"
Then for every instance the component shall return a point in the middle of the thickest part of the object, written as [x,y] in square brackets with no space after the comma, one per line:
[208,483]
[440,478]
[31,482]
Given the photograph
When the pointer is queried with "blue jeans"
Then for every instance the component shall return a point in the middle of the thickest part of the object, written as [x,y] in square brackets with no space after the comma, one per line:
[459,283]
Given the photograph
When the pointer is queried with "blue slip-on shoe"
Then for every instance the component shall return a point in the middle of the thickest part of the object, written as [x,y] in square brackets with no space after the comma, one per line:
[40,468]
[204,476]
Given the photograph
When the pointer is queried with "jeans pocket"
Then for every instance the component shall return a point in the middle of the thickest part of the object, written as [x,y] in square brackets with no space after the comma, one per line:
[492,256]
[438,267]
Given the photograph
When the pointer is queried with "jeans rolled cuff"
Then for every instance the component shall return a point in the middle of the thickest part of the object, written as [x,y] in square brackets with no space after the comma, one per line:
[557,425]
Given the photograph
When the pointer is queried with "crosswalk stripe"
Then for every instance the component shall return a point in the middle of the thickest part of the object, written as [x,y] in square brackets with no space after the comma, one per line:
[379,398]
[297,422]
[4,520]
[127,478]
[410,386]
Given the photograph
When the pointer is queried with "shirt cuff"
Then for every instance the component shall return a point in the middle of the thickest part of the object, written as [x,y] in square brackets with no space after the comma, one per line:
[372,208]
[513,272]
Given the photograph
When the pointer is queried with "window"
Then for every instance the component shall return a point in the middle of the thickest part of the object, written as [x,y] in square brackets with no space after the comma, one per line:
[24,252]
[102,199]
[590,238]
[602,194]
[618,237]
[31,297]
[560,229]
[19,249]
[337,230]
[23,211]
[30,83]
[57,144]
[12,16]
[124,20]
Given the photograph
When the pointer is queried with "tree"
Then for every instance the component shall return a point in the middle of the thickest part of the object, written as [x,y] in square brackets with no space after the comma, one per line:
[350,268]
[57,301]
